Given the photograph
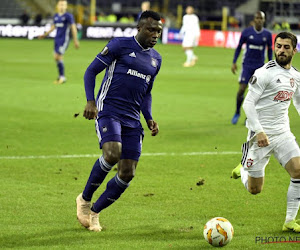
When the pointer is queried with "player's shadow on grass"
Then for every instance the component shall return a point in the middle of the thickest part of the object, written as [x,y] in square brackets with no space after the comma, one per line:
[44,238]
[68,237]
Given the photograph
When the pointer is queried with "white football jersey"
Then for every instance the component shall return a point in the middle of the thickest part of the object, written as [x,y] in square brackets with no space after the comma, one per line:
[190,25]
[275,87]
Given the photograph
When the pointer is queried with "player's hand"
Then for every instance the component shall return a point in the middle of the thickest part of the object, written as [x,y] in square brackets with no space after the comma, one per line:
[262,139]
[153,126]
[90,111]
[76,44]
[41,37]
[233,68]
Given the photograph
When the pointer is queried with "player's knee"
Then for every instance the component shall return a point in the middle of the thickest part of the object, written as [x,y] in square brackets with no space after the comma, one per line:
[254,190]
[296,175]
[126,174]
[112,156]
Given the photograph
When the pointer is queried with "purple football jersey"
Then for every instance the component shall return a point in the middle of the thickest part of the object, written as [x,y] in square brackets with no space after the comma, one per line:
[62,24]
[129,77]
[256,43]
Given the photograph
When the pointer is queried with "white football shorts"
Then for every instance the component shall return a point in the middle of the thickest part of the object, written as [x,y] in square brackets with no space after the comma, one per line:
[255,158]
[190,40]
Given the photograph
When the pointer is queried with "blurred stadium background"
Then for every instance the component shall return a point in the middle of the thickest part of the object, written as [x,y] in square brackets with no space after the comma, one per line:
[118,18]
[47,148]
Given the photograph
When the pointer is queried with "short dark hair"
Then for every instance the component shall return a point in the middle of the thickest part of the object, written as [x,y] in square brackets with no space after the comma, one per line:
[150,13]
[287,35]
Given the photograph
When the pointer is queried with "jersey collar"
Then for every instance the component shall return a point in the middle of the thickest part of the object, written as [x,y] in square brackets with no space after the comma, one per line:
[140,44]
[257,30]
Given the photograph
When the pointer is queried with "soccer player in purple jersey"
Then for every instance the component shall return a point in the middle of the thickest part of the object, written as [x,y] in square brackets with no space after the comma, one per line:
[63,21]
[256,38]
[131,66]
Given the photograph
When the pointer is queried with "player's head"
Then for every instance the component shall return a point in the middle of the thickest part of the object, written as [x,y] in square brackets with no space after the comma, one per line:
[145,5]
[285,48]
[189,10]
[259,20]
[149,29]
[62,6]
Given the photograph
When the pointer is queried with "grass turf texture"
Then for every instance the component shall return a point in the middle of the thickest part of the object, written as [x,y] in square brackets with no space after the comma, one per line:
[163,207]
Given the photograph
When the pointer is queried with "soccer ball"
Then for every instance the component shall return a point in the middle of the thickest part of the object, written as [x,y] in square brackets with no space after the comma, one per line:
[218,232]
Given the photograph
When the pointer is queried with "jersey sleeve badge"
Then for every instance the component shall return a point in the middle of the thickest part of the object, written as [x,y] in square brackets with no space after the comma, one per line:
[253,80]
[104,51]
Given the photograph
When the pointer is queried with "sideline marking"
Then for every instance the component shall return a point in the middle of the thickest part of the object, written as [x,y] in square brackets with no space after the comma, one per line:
[17,157]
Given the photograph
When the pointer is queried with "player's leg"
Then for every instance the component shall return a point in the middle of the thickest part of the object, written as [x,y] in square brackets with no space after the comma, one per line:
[111,155]
[117,185]
[288,154]
[239,101]
[187,44]
[59,50]
[114,189]
[253,172]
[293,195]
[244,78]
[189,56]
[195,44]
[59,59]
[255,184]
[254,161]
[109,134]
[131,151]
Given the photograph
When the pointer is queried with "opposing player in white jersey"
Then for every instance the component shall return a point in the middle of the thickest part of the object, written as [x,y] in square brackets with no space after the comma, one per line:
[191,33]
[266,105]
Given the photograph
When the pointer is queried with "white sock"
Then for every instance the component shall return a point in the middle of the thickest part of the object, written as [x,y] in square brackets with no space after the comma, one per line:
[189,55]
[244,177]
[293,200]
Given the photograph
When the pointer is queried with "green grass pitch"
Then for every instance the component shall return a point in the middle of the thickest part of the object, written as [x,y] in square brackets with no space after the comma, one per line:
[46,155]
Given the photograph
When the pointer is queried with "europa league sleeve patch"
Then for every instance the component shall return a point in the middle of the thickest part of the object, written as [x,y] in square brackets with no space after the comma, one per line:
[253,80]
[104,51]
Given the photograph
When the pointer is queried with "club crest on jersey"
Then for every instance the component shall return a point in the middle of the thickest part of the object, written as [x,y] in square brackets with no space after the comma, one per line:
[253,80]
[249,163]
[154,62]
[104,51]
[292,82]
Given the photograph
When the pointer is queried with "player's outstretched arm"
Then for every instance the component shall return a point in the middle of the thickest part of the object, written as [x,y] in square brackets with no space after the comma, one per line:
[153,126]
[74,35]
[47,32]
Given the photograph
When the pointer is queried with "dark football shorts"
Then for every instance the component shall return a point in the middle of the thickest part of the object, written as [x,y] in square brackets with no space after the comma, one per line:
[111,129]
[60,47]
[246,74]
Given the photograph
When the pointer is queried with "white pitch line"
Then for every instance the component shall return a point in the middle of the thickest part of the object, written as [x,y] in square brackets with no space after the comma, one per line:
[18,157]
